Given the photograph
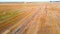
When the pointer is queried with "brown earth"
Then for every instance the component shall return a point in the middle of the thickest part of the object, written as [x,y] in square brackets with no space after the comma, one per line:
[34,18]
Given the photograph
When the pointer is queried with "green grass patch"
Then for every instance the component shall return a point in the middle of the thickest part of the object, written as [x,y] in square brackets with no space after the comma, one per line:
[8,14]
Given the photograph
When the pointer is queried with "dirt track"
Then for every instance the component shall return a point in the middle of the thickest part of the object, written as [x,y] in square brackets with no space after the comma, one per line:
[31,18]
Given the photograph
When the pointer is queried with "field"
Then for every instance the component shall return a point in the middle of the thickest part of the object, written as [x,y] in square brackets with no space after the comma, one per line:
[30,18]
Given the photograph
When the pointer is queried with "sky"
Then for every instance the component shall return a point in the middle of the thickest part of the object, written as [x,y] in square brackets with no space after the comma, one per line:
[27,0]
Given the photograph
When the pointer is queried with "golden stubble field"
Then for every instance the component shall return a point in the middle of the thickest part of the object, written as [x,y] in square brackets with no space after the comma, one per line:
[30,18]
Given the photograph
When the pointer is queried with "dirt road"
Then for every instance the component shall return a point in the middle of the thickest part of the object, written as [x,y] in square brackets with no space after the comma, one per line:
[31,18]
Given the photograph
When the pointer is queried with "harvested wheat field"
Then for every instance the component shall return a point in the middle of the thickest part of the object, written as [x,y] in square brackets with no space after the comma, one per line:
[30,18]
